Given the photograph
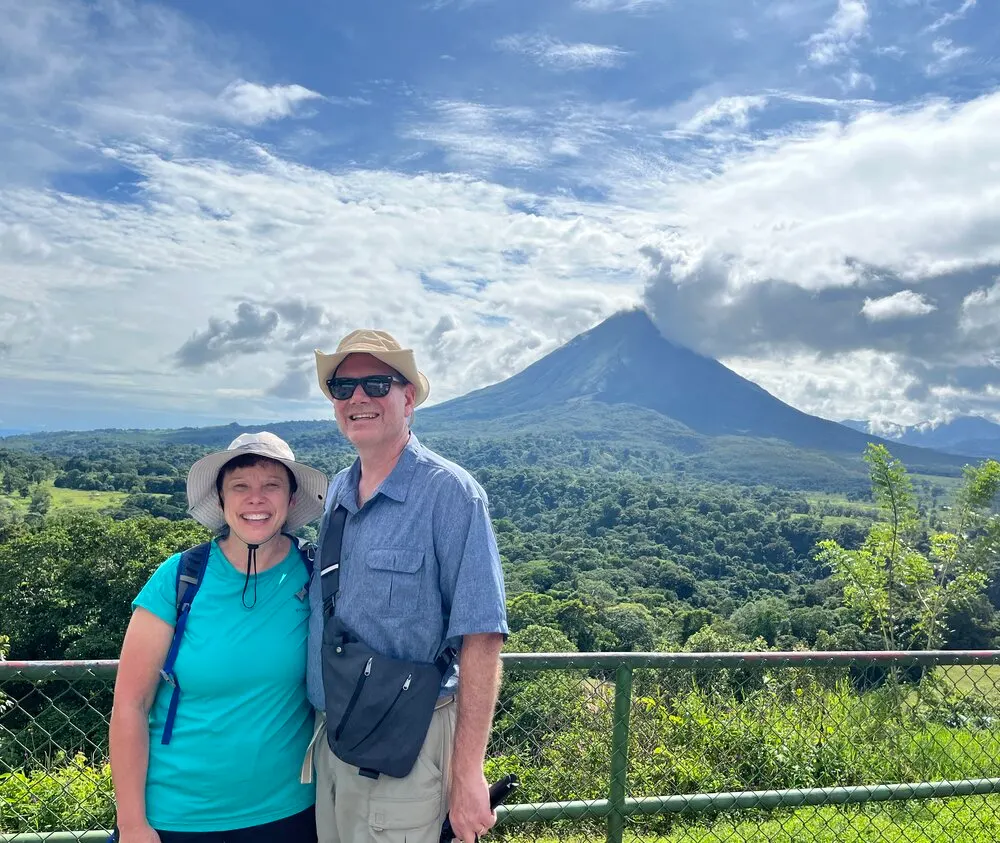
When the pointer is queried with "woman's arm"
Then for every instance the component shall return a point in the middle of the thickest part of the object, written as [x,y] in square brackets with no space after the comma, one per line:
[144,650]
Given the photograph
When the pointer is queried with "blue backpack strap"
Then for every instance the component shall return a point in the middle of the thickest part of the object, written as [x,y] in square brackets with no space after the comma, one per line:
[307,553]
[190,573]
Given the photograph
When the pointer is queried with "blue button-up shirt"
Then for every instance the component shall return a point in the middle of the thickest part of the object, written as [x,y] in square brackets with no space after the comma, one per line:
[419,563]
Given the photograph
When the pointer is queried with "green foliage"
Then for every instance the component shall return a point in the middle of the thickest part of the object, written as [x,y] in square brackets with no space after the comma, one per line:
[906,584]
[70,794]
[66,589]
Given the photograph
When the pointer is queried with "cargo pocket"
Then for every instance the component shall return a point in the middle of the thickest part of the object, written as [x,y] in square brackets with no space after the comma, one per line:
[396,577]
[395,820]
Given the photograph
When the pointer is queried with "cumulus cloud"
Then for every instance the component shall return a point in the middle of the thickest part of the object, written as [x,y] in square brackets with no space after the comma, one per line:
[222,339]
[843,31]
[296,384]
[981,312]
[248,102]
[805,249]
[837,249]
[905,303]
[558,55]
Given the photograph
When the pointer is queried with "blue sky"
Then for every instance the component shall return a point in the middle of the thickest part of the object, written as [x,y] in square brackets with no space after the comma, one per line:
[194,195]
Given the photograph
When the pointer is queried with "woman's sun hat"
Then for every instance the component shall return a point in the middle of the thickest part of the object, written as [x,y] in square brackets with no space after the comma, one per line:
[203,495]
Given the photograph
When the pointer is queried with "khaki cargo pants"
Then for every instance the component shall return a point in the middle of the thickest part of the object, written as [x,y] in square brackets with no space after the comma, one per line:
[355,809]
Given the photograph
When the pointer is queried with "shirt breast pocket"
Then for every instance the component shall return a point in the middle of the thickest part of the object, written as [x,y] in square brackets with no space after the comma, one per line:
[396,577]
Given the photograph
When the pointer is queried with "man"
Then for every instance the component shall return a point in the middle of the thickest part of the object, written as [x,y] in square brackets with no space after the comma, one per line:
[420,571]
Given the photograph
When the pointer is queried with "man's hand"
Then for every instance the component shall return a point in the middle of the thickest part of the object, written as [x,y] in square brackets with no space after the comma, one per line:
[470,811]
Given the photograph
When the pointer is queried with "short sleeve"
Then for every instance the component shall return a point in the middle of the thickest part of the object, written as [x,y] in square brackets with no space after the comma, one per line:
[472,576]
[159,594]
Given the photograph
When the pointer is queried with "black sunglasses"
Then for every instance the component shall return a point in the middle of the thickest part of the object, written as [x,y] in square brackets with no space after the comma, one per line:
[375,386]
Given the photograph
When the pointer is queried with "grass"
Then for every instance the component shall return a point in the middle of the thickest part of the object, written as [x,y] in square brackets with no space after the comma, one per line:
[63,498]
[981,678]
[89,500]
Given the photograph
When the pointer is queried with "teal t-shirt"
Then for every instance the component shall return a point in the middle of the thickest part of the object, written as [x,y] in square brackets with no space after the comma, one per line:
[243,723]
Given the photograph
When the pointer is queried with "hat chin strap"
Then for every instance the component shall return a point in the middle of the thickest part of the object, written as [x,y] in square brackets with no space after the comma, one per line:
[252,562]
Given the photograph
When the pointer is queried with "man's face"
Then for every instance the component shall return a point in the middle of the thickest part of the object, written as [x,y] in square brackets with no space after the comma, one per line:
[373,422]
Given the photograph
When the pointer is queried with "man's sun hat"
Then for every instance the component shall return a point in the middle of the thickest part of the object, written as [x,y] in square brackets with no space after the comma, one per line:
[383,347]
[203,496]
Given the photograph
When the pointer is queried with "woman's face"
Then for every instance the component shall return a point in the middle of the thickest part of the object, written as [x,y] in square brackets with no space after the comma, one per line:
[255,500]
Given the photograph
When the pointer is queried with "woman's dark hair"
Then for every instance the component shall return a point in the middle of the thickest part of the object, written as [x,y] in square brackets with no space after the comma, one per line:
[246,461]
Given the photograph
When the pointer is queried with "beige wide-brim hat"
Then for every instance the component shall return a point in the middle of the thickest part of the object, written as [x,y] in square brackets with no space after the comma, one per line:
[203,496]
[380,345]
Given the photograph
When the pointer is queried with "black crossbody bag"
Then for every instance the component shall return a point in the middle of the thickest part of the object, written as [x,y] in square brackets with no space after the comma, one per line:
[378,709]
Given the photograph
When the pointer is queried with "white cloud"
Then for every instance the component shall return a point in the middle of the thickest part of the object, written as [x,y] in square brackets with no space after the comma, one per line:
[901,305]
[250,103]
[362,247]
[734,111]
[860,384]
[631,6]
[946,53]
[483,137]
[558,55]
[844,29]
[981,311]
[216,241]
[950,17]
[907,190]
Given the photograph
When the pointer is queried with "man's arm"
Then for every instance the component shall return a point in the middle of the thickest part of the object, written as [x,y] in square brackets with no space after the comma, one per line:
[479,682]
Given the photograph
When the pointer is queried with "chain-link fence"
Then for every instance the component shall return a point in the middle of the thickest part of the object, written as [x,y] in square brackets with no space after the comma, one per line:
[665,747]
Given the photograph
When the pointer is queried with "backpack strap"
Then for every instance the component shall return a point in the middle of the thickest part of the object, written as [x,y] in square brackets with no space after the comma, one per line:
[190,573]
[307,553]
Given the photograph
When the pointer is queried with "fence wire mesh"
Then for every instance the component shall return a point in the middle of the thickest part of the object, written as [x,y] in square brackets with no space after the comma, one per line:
[753,747]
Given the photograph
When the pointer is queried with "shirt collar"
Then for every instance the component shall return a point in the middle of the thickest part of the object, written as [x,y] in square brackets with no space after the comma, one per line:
[395,486]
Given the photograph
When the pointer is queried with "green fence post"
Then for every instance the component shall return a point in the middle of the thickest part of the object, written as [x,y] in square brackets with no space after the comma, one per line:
[619,753]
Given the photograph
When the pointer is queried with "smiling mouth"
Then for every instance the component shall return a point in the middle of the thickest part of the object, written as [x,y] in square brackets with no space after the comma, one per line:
[362,416]
[256,518]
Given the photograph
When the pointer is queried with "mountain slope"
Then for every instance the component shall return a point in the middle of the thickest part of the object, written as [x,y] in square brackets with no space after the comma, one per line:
[625,361]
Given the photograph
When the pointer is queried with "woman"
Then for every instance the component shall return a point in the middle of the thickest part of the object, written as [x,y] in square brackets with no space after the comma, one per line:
[217,758]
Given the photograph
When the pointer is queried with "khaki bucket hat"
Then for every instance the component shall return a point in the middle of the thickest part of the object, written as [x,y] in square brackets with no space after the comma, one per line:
[379,345]
[203,497]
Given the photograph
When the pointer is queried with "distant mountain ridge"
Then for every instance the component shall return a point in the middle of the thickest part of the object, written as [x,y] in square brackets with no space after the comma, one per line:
[973,436]
[618,396]
[625,361]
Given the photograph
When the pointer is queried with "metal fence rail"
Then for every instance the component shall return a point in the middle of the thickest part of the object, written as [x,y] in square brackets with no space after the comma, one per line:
[630,746]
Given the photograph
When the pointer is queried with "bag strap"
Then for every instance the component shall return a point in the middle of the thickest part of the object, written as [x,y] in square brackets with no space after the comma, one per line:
[329,570]
[330,550]
[190,573]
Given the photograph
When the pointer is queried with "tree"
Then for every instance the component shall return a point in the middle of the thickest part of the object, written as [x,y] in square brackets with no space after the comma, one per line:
[767,619]
[66,589]
[901,592]
[41,501]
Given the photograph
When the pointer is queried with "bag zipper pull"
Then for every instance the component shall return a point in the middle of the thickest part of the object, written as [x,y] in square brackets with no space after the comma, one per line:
[406,684]
[368,667]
